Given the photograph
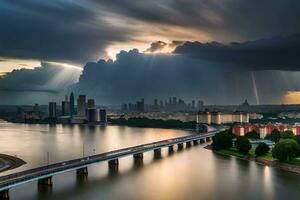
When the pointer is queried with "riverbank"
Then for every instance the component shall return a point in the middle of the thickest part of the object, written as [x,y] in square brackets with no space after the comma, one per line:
[266,160]
[8,162]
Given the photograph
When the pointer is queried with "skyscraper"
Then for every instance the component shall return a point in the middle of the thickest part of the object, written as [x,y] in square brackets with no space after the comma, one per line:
[91,103]
[72,109]
[91,114]
[200,104]
[174,101]
[140,105]
[52,110]
[65,106]
[124,106]
[103,118]
[81,105]
[193,103]
[161,103]
[155,102]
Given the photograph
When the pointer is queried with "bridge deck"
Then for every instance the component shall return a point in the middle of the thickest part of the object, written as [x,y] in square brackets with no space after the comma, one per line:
[11,180]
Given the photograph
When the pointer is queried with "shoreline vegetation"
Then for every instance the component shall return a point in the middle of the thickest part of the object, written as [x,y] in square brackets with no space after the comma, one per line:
[8,162]
[266,160]
[285,155]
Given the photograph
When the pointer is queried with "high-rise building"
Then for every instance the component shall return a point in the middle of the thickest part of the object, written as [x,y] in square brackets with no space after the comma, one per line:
[181,103]
[52,110]
[174,101]
[92,117]
[131,106]
[193,103]
[91,103]
[140,105]
[81,105]
[155,102]
[124,107]
[36,108]
[200,104]
[161,103]
[65,107]
[103,117]
[72,104]
[170,100]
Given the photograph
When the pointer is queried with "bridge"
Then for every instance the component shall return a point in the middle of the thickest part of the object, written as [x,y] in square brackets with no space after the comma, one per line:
[43,175]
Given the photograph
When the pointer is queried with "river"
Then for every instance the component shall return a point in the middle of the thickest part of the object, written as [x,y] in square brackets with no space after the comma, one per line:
[194,173]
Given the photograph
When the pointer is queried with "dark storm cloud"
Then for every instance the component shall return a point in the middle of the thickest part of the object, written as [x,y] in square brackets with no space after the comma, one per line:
[281,53]
[135,75]
[175,43]
[160,46]
[156,46]
[48,78]
[78,31]
[67,31]
[221,19]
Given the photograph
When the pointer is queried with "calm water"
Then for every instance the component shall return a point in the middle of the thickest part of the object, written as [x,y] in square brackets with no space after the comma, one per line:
[194,173]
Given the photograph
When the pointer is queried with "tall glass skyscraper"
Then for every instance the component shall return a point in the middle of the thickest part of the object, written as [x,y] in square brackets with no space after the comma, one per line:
[72,106]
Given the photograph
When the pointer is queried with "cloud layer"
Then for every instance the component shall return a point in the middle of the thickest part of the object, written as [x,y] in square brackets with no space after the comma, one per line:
[46,78]
[214,72]
[80,31]
[136,75]
[278,53]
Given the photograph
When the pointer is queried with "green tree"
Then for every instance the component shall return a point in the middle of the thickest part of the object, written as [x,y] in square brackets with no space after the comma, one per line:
[222,140]
[297,139]
[252,135]
[287,134]
[243,145]
[262,149]
[274,136]
[285,150]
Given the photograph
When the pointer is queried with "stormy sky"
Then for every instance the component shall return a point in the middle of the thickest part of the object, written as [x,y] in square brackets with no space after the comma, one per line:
[237,48]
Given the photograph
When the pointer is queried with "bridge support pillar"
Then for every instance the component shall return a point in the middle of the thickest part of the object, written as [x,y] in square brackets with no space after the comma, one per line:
[171,148]
[113,166]
[157,153]
[180,146]
[46,181]
[83,171]
[4,194]
[138,156]
[195,142]
[188,144]
[113,163]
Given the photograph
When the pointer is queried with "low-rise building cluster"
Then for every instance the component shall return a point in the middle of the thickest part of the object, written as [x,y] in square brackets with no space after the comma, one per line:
[264,129]
[222,117]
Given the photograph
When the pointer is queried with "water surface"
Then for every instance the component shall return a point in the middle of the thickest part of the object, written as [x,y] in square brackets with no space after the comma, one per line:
[194,173]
